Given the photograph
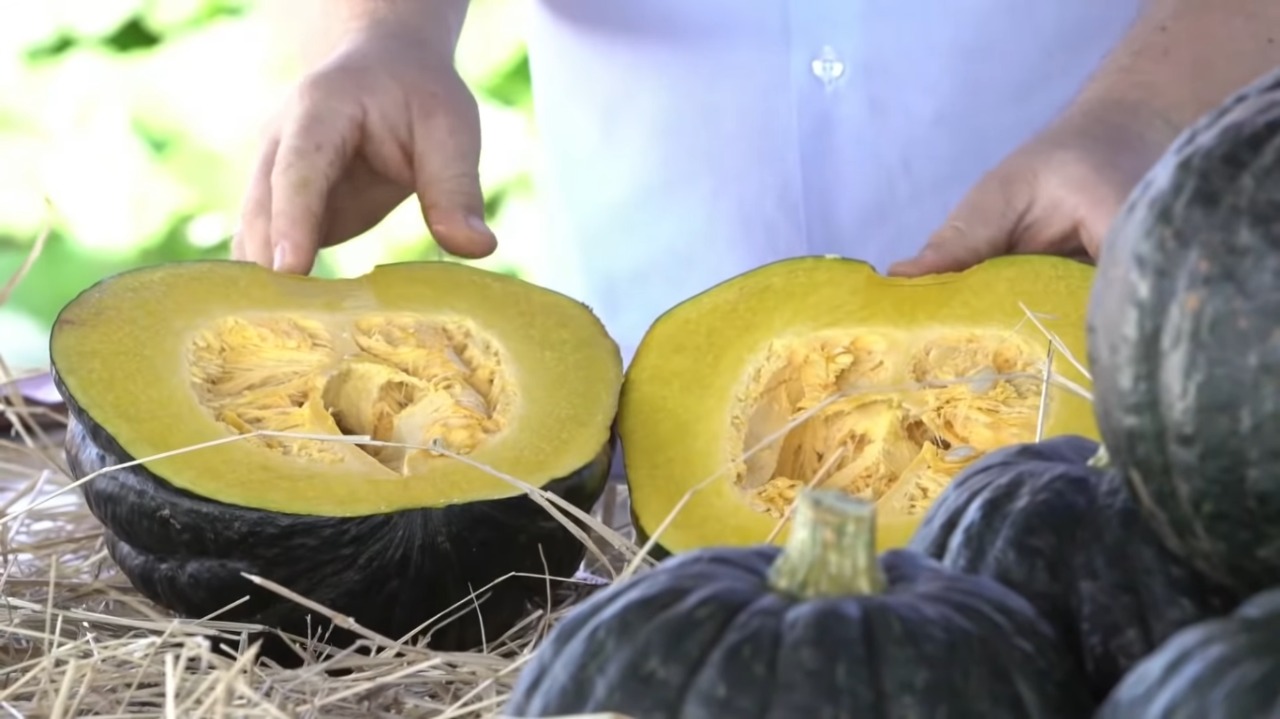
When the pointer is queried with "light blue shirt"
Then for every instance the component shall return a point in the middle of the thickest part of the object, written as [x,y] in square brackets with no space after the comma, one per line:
[687,141]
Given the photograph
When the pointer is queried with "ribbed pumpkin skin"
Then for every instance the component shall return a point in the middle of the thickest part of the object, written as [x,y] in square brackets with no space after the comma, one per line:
[1072,541]
[1226,668]
[1184,340]
[702,636]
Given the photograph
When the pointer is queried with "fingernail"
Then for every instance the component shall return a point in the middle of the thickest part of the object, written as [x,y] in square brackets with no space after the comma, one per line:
[279,257]
[478,224]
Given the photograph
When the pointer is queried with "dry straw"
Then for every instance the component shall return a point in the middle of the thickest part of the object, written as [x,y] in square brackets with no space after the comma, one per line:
[76,640]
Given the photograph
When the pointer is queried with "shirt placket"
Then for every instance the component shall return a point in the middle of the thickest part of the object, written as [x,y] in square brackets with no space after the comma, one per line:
[822,59]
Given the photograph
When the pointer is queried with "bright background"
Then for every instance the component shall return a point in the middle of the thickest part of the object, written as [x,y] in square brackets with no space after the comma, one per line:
[139,120]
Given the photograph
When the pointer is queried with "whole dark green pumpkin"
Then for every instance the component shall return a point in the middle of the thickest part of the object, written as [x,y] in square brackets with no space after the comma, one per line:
[1184,340]
[1070,539]
[1225,668]
[820,630]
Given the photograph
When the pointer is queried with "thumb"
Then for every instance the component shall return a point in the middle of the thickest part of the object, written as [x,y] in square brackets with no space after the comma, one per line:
[982,226]
[447,179]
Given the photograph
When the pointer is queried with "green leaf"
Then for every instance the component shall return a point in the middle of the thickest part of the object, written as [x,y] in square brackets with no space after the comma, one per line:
[511,86]
[133,35]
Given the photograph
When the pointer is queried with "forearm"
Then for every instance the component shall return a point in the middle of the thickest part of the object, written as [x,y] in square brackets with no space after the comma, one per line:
[316,27]
[1184,57]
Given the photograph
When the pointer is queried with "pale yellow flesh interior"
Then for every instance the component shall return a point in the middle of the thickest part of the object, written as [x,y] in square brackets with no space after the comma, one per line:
[910,411]
[427,381]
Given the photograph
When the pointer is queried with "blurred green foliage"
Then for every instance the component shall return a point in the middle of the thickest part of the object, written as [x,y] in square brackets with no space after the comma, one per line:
[138,119]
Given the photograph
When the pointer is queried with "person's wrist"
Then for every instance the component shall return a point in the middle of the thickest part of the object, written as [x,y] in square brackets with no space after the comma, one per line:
[1165,89]
[1126,131]
[1138,109]
[433,25]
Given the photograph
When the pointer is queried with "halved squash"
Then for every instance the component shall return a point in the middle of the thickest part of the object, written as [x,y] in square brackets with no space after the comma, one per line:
[516,378]
[907,381]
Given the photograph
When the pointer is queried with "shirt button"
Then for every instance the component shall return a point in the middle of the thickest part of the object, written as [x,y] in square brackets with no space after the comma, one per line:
[827,66]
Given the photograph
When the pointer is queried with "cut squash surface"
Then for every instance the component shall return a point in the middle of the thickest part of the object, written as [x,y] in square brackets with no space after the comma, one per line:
[818,371]
[512,376]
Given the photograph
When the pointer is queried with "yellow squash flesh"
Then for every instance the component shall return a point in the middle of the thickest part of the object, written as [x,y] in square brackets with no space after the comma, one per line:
[514,377]
[840,377]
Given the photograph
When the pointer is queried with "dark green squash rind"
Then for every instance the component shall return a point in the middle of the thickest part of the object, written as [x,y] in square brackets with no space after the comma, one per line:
[1071,540]
[702,636]
[1222,668]
[1184,340]
[390,572]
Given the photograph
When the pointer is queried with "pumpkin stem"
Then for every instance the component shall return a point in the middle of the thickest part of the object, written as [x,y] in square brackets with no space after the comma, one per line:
[831,550]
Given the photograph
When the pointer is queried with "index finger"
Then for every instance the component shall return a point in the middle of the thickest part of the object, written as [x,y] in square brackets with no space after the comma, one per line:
[315,145]
[252,241]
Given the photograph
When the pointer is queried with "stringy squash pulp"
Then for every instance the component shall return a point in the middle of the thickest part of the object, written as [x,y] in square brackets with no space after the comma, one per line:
[909,411]
[397,378]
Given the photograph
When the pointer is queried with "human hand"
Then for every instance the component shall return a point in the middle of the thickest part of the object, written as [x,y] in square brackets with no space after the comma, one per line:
[385,117]
[1057,194]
